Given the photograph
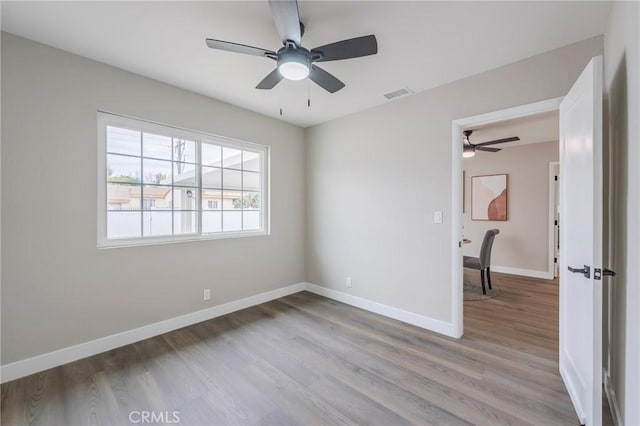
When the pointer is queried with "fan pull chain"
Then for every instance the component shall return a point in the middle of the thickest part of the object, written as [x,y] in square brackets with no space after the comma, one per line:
[308,93]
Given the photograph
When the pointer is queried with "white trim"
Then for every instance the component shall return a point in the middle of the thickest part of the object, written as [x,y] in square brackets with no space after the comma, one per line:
[152,241]
[457,126]
[545,275]
[28,366]
[614,407]
[457,221]
[22,368]
[421,321]
[552,218]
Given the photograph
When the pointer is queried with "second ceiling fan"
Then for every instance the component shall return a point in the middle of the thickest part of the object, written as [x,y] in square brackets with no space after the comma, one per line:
[294,62]
[469,149]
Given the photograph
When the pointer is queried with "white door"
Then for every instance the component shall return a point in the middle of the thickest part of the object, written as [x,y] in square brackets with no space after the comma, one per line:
[581,243]
[556,217]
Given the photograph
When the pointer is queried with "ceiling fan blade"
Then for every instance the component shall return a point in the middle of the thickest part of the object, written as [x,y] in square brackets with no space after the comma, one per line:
[285,16]
[238,48]
[325,80]
[347,49]
[497,141]
[270,81]
[482,148]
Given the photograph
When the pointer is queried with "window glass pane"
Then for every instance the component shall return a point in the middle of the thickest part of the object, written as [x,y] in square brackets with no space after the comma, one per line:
[156,223]
[231,158]
[123,197]
[156,146]
[184,174]
[250,220]
[123,224]
[250,161]
[211,155]
[185,222]
[251,200]
[185,198]
[159,184]
[123,141]
[232,221]
[123,169]
[211,222]
[211,199]
[231,179]
[211,177]
[232,200]
[184,150]
[251,181]
[156,198]
[157,171]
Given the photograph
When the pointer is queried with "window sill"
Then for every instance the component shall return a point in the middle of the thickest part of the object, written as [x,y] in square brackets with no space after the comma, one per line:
[137,242]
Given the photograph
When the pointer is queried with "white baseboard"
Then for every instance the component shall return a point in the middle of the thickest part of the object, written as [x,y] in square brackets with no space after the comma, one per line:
[38,363]
[422,321]
[613,401]
[545,275]
[42,362]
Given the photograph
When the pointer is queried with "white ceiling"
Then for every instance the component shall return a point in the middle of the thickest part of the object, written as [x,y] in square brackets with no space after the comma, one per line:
[532,129]
[421,44]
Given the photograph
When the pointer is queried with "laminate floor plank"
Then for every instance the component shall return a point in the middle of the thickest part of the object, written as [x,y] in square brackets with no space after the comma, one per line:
[308,360]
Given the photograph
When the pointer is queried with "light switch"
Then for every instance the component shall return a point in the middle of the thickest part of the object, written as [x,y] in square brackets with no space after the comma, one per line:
[437,217]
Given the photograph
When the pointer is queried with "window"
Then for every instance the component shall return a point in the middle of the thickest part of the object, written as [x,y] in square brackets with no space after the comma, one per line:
[163,184]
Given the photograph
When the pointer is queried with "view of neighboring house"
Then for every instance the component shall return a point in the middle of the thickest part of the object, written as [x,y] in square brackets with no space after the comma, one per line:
[174,185]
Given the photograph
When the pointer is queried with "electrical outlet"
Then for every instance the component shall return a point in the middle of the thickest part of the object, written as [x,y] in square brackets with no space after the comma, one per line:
[207,294]
[348,282]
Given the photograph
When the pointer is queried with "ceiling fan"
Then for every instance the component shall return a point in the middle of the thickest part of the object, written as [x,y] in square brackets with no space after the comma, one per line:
[294,62]
[469,149]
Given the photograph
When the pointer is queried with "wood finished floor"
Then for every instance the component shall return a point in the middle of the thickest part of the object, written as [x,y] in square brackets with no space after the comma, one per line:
[304,359]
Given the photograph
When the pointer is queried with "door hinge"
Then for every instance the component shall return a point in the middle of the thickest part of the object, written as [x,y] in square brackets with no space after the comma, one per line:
[598,273]
[555,260]
[556,178]
[555,222]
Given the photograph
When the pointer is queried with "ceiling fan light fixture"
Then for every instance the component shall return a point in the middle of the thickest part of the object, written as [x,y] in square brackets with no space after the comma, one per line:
[294,65]
[468,151]
[293,70]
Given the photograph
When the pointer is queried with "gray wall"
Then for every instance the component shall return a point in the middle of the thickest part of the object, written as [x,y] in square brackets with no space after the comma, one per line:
[524,237]
[622,87]
[375,178]
[57,288]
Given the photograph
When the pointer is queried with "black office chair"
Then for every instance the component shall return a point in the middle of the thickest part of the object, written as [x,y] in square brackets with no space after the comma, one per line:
[483,262]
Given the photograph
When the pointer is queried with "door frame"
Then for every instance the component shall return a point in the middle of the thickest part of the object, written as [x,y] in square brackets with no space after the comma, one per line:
[552,218]
[457,126]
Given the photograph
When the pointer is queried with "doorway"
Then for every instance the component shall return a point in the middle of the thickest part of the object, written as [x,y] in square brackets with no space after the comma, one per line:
[457,128]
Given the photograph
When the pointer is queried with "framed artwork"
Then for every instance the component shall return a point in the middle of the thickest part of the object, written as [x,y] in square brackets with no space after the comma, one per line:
[489,197]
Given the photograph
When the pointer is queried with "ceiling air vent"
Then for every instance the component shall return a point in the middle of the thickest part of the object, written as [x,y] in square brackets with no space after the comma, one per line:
[398,93]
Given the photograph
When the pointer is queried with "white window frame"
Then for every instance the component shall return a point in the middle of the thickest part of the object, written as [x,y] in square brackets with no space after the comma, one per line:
[105,119]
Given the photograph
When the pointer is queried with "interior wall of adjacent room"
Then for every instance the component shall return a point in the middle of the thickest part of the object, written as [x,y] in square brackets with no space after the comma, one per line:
[375,178]
[58,289]
[622,87]
[523,242]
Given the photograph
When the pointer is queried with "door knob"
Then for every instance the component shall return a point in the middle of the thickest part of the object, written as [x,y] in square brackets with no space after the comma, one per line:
[586,271]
